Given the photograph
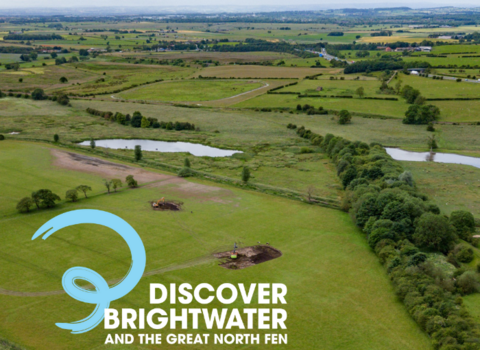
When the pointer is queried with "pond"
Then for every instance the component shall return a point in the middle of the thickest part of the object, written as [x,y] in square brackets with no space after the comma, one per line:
[400,154]
[164,146]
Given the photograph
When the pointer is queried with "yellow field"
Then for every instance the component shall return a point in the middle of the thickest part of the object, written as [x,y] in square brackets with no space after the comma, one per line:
[395,38]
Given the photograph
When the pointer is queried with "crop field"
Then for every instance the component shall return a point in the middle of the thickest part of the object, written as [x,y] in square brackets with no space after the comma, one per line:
[246,71]
[181,251]
[191,90]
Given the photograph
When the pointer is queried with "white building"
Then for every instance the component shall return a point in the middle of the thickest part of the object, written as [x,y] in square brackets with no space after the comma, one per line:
[425,48]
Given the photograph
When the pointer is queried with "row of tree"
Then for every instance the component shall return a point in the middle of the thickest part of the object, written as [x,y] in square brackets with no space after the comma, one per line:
[139,121]
[404,228]
[45,198]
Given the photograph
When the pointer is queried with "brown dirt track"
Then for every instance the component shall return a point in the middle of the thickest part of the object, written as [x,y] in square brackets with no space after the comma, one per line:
[110,170]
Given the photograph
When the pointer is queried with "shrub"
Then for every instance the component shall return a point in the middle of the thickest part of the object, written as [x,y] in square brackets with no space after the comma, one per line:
[138,153]
[468,282]
[38,94]
[63,100]
[185,172]
[71,195]
[463,253]
[306,150]
[25,204]
[56,138]
[2,137]
[345,117]
[245,174]
[421,114]
[131,182]
[464,224]
[434,232]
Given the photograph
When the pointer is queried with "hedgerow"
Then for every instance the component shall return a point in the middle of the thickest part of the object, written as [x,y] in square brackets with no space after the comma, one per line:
[406,231]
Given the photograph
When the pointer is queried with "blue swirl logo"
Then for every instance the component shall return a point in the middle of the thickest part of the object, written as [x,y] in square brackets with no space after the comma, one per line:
[103,294]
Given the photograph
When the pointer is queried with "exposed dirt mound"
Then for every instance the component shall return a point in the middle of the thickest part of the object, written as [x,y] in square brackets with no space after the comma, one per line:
[248,256]
[167,205]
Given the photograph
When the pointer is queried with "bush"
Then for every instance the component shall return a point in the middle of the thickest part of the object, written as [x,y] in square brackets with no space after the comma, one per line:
[56,138]
[138,153]
[468,282]
[185,172]
[345,117]
[304,150]
[421,114]
[38,94]
[2,137]
[24,205]
[131,182]
[245,174]
[463,253]
[464,224]
[63,100]
[434,232]
[72,195]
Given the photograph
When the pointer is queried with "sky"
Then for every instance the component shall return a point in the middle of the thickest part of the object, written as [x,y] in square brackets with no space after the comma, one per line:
[272,4]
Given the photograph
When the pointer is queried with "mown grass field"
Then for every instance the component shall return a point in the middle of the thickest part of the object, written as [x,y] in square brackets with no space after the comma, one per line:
[344,307]
[192,90]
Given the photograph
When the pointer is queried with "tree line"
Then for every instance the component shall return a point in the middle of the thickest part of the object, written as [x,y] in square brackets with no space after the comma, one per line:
[404,228]
[45,198]
[32,37]
[137,120]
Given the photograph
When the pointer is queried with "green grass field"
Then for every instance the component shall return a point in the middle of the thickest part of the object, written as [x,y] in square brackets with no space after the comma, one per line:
[451,186]
[394,109]
[431,88]
[114,76]
[191,90]
[344,307]
[336,87]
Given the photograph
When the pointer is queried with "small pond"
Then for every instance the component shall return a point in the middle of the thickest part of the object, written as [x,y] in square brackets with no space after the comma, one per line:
[400,154]
[164,146]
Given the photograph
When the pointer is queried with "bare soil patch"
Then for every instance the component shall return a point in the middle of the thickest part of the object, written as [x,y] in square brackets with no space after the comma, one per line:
[167,205]
[110,170]
[248,256]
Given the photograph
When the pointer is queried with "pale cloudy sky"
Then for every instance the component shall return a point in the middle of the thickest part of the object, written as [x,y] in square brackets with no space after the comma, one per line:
[236,4]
